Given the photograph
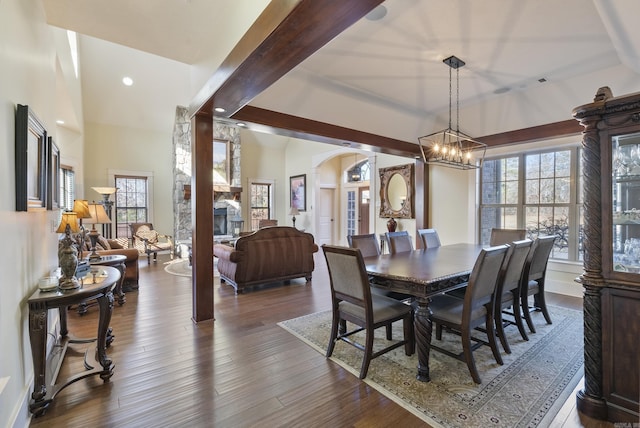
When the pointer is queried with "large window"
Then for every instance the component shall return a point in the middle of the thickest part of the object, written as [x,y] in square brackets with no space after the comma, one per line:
[131,203]
[261,201]
[539,192]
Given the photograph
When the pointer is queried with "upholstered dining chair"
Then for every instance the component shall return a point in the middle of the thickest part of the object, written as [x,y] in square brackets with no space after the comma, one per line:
[368,244]
[353,302]
[148,241]
[399,242]
[429,237]
[534,275]
[506,236]
[266,222]
[508,290]
[464,315]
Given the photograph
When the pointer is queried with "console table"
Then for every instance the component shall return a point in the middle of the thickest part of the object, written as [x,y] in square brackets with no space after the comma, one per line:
[45,387]
[115,260]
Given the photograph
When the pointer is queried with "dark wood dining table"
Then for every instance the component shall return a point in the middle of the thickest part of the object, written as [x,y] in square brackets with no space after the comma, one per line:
[423,274]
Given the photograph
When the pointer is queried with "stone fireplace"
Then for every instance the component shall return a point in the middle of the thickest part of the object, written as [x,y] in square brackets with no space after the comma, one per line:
[227,211]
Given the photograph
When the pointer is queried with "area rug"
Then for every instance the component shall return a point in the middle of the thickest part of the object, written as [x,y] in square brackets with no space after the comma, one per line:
[527,391]
[180,267]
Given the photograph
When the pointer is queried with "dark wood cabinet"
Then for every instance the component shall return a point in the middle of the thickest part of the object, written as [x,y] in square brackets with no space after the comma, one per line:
[611,278]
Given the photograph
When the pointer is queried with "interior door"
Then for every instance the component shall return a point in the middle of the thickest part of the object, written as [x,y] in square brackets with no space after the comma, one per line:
[363,210]
[326,223]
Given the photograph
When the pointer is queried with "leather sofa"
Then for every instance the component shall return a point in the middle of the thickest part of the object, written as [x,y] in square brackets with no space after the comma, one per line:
[272,254]
[112,247]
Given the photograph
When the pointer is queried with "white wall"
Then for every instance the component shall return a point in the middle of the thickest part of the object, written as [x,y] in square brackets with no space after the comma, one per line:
[28,75]
[137,151]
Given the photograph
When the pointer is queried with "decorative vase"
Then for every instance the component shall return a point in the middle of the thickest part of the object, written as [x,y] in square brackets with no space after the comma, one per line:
[391,225]
[68,261]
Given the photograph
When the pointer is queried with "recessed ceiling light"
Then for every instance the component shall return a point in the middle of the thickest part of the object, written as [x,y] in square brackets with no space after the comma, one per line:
[219,109]
[377,13]
[60,122]
[128,81]
[542,80]
[241,124]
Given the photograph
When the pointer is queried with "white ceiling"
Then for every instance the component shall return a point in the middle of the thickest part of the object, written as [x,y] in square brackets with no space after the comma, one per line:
[383,76]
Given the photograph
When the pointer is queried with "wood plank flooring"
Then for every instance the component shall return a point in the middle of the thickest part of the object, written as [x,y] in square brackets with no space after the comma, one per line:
[240,371]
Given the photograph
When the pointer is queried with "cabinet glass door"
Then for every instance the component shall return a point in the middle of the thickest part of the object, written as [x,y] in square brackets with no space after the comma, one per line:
[626,202]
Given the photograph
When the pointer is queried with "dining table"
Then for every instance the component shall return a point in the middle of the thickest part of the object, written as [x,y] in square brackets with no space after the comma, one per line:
[422,274]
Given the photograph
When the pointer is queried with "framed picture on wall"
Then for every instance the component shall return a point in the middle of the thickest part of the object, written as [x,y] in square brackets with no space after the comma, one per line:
[53,175]
[30,161]
[221,162]
[298,189]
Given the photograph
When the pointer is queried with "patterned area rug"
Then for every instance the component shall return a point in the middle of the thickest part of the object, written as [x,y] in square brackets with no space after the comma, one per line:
[180,267]
[527,391]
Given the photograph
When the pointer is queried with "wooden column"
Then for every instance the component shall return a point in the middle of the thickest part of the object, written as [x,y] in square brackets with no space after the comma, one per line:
[421,198]
[202,215]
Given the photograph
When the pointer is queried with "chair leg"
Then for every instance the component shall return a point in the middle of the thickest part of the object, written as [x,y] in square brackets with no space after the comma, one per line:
[468,355]
[542,304]
[524,302]
[491,334]
[389,331]
[517,314]
[439,331]
[334,334]
[500,329]
[368,351]
[149,258]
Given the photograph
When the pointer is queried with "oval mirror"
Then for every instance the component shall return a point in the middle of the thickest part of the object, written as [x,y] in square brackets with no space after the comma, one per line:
[396,191]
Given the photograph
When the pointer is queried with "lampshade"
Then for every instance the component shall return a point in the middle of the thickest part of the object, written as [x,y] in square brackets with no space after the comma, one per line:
[105,190]
[81,208]
[294,211]
[68,218]
[98,215]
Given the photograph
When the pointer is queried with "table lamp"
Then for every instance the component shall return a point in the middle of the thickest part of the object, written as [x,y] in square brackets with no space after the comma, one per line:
[81,208]
[98,216]
[106,193]
[293,213]
[67,253]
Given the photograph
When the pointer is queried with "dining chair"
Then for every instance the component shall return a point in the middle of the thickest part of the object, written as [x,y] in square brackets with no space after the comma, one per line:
[508,290]
[429,237]
[506,236]
[399,242]
[534,275]
[368,244]
[464,315]
[352,301]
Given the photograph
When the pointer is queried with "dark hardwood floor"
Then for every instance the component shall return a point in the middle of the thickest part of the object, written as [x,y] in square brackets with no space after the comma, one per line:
[240,371]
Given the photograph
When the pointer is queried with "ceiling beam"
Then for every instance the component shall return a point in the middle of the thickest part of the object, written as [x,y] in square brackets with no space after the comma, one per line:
[534,133]
[285,34]
[272,122]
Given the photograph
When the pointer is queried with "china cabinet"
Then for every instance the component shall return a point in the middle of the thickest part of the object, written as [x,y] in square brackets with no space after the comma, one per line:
[611,278]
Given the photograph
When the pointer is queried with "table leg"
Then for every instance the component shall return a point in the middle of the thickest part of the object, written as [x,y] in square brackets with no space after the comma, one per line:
[119,292]
[105,302]
[423,329]
[38,339]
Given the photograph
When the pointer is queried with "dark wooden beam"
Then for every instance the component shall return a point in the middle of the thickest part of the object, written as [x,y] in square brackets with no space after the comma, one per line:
[202,216]
[262,120]
[534,133]
[285,34]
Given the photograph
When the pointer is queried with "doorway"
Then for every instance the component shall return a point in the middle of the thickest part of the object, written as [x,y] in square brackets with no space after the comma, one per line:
[326,223]
[364,199]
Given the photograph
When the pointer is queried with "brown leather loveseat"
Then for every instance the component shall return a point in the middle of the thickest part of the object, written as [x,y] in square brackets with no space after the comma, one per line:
[112,247]
[272,254]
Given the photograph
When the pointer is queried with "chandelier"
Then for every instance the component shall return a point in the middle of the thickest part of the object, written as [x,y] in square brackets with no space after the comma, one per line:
[450,147]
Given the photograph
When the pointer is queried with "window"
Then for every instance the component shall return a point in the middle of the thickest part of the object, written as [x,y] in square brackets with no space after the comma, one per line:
[67,188]
[131,203]
[538,192]
[351,213]
[261,201]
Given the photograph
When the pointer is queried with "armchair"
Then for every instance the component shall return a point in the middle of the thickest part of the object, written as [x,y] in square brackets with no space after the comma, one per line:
[148,241]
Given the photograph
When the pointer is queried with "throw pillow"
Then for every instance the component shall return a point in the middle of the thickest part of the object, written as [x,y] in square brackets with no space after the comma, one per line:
[150,235]
[103,244]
